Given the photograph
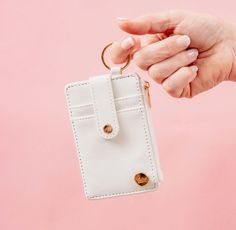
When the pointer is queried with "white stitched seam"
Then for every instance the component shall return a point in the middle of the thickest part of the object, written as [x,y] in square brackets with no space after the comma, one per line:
[128,98]
[155,158]
[95,108]
[77,143]
[123,193]
[86,83]
[114,116]
[145,131]
[81,106]
[98,115]
[93,116]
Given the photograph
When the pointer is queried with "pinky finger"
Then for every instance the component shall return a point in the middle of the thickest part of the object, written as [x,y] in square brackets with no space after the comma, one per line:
[177,84]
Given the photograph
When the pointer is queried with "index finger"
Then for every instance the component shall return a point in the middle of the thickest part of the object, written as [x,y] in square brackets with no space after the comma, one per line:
[152,23]
[120,51]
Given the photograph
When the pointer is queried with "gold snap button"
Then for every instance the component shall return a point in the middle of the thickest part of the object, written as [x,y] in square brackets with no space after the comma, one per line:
[107,128]
[141,179]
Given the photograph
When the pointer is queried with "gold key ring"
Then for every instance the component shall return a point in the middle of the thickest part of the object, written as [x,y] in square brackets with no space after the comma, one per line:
[103,58]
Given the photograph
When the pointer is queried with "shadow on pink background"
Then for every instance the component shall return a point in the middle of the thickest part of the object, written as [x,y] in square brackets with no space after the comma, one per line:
[45,44]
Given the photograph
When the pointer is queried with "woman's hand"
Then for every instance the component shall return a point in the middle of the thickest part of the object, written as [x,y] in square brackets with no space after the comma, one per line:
[187,53]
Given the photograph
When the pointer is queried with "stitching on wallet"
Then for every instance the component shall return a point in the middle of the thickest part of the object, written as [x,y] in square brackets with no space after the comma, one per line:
[92,116]
[118,100]
[146,134]
[112,103]
[77,142]
[123,193]
[95,108]
[98,115]
[86,83]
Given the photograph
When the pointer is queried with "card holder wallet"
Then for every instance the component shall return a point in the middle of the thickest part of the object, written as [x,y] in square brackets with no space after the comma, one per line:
[113,132]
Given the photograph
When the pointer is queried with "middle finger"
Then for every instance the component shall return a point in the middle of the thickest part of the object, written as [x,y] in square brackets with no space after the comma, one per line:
[160,50]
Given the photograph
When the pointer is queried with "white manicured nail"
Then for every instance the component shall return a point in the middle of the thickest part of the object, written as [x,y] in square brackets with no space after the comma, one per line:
[122,19]
[192,53]
[194,68]
[127,43]
[183,41]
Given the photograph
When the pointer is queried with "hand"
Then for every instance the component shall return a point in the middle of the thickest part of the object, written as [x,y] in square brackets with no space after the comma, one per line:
[187,53]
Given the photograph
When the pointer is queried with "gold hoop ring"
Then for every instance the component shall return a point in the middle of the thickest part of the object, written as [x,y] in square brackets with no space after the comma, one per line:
[103,58]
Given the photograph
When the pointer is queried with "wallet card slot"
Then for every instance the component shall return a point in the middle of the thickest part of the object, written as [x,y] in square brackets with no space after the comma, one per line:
[120,103]
[118,111]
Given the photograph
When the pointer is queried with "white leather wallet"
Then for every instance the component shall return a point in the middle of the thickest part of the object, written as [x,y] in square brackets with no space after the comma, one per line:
[110,116]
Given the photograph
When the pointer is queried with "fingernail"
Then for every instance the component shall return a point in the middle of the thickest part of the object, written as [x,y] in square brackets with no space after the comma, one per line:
[127,43]
[122,19]
[194,68]
[192,53]
[183,41]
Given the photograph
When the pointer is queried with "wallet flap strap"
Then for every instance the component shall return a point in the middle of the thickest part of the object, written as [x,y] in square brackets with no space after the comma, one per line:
[104,106]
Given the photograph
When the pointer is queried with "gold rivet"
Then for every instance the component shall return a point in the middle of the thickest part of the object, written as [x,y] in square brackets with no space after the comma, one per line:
[141,179]
[107,128]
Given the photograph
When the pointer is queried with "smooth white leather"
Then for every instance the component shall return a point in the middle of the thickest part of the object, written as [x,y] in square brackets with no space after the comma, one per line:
[104,105]
[109,162]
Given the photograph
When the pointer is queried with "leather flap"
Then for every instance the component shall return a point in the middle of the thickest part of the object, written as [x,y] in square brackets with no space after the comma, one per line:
[104,106]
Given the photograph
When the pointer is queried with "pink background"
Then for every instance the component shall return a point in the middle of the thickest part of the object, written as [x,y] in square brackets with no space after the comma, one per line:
[45,44]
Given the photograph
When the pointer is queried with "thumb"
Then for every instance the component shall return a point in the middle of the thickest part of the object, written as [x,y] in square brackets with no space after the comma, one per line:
[152,23]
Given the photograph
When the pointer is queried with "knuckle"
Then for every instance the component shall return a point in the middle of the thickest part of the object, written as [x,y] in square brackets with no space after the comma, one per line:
[152,72]
[168,49]
[158,73]
[155,73]
[170,90]
[139,60]
[180,28]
